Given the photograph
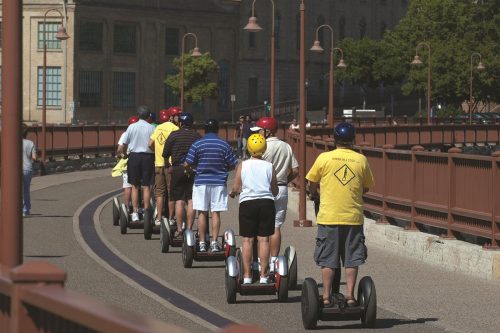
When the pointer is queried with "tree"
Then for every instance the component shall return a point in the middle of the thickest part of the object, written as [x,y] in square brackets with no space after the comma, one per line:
[198,72]
[454,29]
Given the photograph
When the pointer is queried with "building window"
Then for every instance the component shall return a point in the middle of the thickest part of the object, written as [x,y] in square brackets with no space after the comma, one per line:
[171,99]
[342,28]
[172,41]
[90,36]
[52,84]
[383,28]
[362,28]
[277,23]
[123,89]
[297,32]
[321,33]
[252,91]
[124,38]
[223,86]
[90,88]
[51,41]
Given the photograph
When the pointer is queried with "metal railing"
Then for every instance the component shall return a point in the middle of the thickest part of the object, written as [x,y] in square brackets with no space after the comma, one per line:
[282,109]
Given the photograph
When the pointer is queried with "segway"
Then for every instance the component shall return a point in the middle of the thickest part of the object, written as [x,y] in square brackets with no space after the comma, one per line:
[167,238]
[313,309]
[291,257]
[116,211]
[278,284]
[190,252]
[145,220]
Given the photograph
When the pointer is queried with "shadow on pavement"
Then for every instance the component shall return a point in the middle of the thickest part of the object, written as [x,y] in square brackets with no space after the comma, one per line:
[382,323]
[294,299]
[46,256]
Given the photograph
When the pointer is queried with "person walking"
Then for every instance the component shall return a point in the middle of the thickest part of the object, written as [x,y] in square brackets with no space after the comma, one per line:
[140,166]
[280,154]
[343,176]
[157,142]
[255,182]
[181,183]
[238,135]
[213,158]
[29,156]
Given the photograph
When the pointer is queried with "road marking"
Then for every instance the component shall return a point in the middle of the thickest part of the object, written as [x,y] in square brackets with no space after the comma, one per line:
[91,238]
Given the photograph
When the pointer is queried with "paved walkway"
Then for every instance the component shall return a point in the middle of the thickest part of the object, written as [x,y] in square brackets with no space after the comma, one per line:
[412,296]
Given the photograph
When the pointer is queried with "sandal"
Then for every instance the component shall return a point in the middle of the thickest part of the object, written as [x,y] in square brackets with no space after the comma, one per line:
[178,234]
[351,302]
[328,303]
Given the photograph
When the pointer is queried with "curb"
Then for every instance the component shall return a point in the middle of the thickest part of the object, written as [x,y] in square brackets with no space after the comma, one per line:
[450,255]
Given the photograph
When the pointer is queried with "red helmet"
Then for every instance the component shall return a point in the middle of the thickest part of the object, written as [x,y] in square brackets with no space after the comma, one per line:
[175,110]
[133,119]
[164,116]
[268,123]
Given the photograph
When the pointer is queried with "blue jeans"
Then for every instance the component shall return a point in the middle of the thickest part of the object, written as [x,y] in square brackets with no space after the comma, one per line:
[27,175]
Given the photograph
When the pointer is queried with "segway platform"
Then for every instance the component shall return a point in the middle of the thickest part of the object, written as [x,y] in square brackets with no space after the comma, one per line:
[190,252]
[167,238]
[313,309]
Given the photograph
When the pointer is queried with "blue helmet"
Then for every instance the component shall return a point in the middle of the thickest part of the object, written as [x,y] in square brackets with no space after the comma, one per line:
[344,133]
[186,119]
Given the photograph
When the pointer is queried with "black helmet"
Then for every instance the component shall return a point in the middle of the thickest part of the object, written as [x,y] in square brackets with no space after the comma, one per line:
[186,119]
[211,126]
[344,133]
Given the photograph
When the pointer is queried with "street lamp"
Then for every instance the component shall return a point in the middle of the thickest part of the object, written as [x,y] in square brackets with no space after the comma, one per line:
[317,48]
[253,26]
[416,61]
[60,35]
[195,53]
[479,67]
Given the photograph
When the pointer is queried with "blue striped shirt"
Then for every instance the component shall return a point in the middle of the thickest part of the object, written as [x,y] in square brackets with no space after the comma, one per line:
[213,158]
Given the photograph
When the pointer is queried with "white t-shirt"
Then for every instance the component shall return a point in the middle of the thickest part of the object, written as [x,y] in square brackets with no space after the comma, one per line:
[280,154]
[256,177]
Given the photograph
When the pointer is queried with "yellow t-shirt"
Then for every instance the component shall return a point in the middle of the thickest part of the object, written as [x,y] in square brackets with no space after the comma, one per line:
[342,175]
[159,137]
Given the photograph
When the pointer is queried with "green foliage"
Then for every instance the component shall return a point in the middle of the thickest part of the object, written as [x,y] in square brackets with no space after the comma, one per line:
[454,29]
[198,72]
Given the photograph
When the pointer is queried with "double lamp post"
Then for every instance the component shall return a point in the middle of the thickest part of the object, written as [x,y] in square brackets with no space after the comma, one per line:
[60,35]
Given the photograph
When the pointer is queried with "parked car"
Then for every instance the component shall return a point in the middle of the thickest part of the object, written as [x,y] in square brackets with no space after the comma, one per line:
[477,118]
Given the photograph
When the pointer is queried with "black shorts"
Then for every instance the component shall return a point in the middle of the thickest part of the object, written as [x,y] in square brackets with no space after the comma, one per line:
[257,218]
[181,184]
[141,169]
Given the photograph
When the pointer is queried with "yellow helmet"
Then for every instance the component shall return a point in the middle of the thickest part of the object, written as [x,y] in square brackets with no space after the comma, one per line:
[256,145]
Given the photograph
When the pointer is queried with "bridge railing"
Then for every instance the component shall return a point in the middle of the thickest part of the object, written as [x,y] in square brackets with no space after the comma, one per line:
[457,193]
[33,300]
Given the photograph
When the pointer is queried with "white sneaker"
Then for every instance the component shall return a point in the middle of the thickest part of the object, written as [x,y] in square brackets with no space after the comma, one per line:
[264,279]
[135,217]
[271,265]
[202,247]
[247,280]
[214,246]
[172,222]
[157,223]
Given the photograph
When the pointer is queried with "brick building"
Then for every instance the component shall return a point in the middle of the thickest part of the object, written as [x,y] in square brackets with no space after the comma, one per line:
[120,51]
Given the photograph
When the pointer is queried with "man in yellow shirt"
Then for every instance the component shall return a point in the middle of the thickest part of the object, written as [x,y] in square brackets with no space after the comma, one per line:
[343,176]
[157,141]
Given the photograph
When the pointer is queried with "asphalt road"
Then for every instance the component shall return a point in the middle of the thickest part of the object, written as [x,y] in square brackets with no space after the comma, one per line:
[412,297]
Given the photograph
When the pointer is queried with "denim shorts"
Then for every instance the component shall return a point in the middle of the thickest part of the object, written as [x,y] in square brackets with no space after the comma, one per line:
[340,242]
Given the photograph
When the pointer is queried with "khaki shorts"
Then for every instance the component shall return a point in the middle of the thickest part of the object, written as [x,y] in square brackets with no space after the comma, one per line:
[161,175]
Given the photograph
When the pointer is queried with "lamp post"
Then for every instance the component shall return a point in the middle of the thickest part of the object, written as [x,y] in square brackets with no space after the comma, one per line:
[317,48]
[60,35]
[416,61]
[479,67]
[195,53]
[302,221]
[252,26]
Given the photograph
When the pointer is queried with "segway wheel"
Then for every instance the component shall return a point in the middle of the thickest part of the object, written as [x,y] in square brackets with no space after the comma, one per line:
[310,304]
[230,288]
[187,255]
[123,220]
[164,238]
[292,271]
[367,298]
[148,224]
[116,211]
[283,289]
